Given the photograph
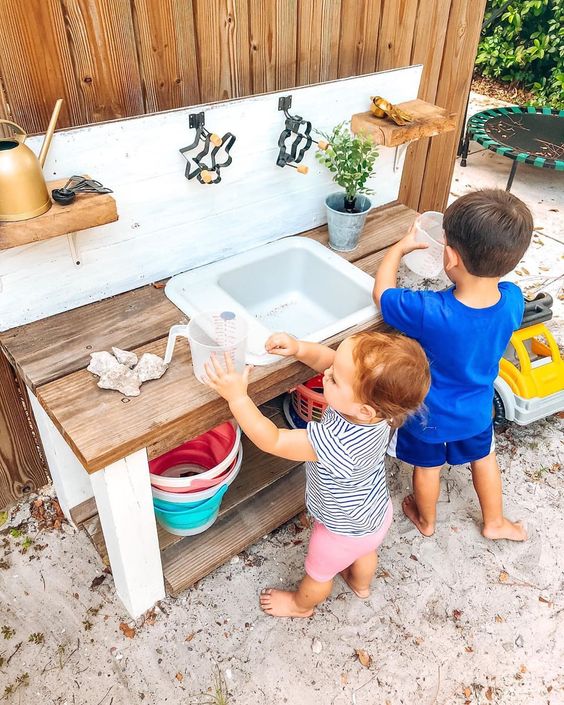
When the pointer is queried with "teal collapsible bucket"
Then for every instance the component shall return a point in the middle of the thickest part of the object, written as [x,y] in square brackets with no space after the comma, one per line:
[189,519]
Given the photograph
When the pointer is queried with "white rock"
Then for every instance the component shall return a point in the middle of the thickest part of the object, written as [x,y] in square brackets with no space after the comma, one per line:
[129,359]
[122,379]
[150,367]
[102,362]
[316,646]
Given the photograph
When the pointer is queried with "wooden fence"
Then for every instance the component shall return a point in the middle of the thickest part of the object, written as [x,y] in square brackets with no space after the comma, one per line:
[112,59]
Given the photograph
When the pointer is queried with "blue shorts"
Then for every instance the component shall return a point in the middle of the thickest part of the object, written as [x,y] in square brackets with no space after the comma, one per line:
[411,449]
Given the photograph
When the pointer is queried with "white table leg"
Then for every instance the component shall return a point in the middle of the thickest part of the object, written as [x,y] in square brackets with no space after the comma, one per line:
[125,507]
[71,481]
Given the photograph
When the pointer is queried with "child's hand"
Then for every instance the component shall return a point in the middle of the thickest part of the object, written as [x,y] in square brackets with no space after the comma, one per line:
[228,383]
[282,344]
[408,243]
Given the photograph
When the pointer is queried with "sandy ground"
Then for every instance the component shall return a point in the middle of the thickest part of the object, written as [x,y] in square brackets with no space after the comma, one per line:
[452,619]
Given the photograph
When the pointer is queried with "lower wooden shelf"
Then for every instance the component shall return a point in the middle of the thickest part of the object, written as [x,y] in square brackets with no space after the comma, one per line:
[267,492]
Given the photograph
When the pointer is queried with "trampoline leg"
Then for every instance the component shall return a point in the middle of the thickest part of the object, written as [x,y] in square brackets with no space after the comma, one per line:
[511,175]
[465,147]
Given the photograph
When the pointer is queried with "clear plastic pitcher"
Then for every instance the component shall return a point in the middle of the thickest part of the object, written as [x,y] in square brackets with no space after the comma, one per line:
[428,229]
[212,333]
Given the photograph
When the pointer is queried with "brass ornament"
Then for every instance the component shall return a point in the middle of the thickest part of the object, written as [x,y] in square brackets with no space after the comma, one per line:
[382,108]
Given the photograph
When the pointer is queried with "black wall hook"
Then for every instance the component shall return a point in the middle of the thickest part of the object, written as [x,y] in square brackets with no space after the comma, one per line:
[207,172]
[298,131]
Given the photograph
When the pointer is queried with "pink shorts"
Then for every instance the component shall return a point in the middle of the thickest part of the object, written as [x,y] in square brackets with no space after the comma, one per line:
[330,553]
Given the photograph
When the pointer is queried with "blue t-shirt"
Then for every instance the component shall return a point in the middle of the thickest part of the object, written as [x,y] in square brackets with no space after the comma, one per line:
[464,346]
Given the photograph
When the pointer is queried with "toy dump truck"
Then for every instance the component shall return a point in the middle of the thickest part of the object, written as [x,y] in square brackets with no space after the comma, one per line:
[530,384]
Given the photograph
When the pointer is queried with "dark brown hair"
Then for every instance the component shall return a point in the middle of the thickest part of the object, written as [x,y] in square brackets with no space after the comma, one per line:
[490,230]
[391,374]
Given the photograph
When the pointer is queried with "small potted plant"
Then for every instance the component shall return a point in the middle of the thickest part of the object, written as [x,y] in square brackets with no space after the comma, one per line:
[351,160]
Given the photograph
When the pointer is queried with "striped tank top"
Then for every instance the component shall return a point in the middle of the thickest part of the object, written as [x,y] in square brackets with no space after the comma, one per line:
[346,489]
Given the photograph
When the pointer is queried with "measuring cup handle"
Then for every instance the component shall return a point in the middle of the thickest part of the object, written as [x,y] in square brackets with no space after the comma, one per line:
[174,332]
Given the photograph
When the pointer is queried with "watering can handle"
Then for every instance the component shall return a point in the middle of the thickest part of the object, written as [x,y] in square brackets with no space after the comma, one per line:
[174,332]
[23,134]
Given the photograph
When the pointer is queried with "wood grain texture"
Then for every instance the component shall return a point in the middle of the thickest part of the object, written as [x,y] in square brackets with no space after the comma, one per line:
[397,28]
[258,471]
[191,559]
[104,55]
[461,44]
[36,65]
[211,24]
[428,120]
[59,345]
[431,22]
[262,24]
[102,427]
[22,470]
[239,47]
[359,36]
[319,25]
[87,211]
[166,43]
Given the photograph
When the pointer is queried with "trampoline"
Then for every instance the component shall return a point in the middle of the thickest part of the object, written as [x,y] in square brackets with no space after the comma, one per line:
[526,135]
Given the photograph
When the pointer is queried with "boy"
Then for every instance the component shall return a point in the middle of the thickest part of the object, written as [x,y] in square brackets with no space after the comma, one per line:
[464,331]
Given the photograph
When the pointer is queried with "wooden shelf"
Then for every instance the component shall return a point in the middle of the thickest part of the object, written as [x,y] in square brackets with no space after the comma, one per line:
[267,492]
[87,211]
[429,120]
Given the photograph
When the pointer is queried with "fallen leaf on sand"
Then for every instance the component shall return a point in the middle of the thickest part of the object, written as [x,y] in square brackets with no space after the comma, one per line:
[456,615]
[503,577]
[159,285]
[468,649]
[190,636]
[364,657]
[545,600]
[344,678]
[499,619]
[150,617]
[179,677]
[467,692]
[3,517]
[129,632]
[98,580]
[523,668]
[304,520]
[489,693]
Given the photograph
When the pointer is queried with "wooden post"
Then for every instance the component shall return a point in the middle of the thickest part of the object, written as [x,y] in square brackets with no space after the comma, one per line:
[125,507]
[71,481]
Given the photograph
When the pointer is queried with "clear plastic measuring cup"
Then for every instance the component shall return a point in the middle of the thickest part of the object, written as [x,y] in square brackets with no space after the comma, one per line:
[428,229]
[215,332]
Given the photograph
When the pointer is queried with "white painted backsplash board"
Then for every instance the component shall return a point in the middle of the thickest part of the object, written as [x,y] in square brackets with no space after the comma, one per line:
[167,224]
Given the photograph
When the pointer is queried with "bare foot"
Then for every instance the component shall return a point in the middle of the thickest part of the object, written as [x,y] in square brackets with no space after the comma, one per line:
[363,593]
[513,531]
[410,510]
[281,603]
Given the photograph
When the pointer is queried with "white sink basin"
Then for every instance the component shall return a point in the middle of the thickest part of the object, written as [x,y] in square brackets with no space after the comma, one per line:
[295,285]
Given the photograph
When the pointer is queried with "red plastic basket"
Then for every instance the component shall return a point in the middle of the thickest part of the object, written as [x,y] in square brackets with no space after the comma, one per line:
[308,401]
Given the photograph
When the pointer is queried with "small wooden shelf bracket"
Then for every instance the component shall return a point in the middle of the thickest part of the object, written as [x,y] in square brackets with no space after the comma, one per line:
[73,247]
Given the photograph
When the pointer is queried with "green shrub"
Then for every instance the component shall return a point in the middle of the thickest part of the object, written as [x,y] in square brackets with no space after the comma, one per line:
[525,45]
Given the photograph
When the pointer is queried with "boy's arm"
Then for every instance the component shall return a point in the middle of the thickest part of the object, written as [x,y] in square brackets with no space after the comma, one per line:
[292,445]
[318,357]
[387,274]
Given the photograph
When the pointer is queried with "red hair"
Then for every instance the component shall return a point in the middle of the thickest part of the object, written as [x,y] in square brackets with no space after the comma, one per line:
[391,374]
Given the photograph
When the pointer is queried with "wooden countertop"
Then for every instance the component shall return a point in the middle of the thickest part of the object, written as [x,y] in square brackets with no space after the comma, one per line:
[102,426]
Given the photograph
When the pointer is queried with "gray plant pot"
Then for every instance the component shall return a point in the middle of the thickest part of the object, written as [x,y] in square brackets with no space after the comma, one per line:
[345,228]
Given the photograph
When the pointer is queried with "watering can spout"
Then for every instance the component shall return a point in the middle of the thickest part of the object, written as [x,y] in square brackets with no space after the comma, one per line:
[49,133]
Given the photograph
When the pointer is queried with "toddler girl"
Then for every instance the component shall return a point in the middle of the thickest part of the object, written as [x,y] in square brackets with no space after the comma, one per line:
[371,383]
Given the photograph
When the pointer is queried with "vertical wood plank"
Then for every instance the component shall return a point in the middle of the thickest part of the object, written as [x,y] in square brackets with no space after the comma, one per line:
[395,38]
[36,65]
[262,18]
[239,47]
[21,467]
[461,45]
[211,19]
[166,44]
[358,46]
[102,43]
[427,49]
[286,33]
[317,51]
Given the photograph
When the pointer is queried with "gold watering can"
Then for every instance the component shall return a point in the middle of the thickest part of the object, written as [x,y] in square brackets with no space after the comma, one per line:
[23,191]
